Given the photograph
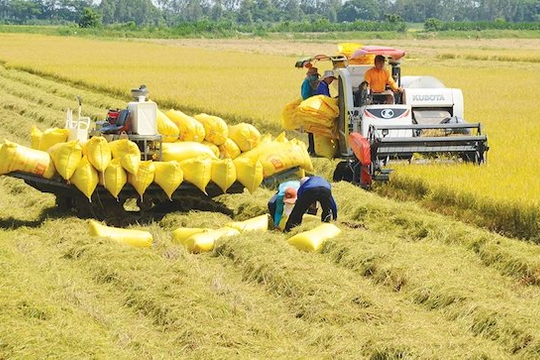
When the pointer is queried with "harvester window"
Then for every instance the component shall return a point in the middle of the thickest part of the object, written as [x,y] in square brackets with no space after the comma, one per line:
[385,97]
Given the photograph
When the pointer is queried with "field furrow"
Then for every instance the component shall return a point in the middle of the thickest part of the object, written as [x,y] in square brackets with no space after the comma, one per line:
[519,260]
[60,89]
[368,315]
[45,98]
[53,309]
[42,116]
[195,306]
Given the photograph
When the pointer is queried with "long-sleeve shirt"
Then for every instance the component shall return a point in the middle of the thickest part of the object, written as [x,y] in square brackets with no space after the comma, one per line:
[323,89]
[314,182]
[280,197]
[306,90]
[378,79]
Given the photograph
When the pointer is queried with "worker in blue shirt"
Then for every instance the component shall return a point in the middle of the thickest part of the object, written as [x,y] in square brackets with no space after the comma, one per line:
[309,85]
[281,203]
[323,88]
[311,190]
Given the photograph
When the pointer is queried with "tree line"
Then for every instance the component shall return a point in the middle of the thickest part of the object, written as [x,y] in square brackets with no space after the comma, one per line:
[177,12]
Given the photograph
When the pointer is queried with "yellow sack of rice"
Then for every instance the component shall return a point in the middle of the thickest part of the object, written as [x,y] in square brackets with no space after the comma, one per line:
[190,129]
[205,241]
[289,121]
[301,148]
[66,157]
[180,151]
[14,157]
[229,150]
[324,146]
[85,177]
[266,143]
[35,137]
[114,177]
[223,173]
[52,137]
[167,128]
[320,106]
[198,172]
[180,235]
[137,238]
[246,136]
[215,128]
[128,153]
[213,147]
[168,176]
[249,172]
[284,156]
[313,239]
[258,223]
[144,177]
[99,152]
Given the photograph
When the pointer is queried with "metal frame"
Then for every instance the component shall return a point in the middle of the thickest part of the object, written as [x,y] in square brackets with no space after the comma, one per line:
[383,146]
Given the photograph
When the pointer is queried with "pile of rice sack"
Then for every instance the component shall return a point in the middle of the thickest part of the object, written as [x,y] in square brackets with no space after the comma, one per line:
[199,150]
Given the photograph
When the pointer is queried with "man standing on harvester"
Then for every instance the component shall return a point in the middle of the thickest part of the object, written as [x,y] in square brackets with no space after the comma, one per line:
[312,189]
[307,90]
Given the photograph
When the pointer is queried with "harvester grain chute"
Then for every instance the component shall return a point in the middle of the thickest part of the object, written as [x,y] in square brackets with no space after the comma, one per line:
[426,118]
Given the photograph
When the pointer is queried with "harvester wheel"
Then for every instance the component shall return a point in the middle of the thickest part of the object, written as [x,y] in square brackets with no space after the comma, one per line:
[343,172]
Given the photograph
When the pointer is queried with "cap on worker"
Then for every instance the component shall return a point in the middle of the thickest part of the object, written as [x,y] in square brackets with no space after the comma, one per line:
[290,195]
[328,74]
[303,180]
[313,71]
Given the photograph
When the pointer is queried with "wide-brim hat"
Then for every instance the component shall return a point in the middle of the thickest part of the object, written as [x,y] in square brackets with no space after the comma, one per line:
[328,74]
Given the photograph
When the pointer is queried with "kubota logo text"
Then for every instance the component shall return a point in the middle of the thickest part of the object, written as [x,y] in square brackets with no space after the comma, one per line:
[428,98]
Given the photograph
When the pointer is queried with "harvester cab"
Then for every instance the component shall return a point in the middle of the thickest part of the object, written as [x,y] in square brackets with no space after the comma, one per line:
[375,128]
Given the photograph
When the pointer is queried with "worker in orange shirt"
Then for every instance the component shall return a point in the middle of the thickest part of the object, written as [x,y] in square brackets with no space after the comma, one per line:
[378,77]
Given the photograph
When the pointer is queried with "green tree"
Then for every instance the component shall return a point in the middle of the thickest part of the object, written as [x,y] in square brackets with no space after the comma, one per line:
[354,10]
[108,11]
[245,12]
[21,11]
[89,18]
[432,24]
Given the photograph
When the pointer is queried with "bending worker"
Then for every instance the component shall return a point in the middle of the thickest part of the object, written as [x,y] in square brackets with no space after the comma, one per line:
[378,77]
[281,204]
[311,190]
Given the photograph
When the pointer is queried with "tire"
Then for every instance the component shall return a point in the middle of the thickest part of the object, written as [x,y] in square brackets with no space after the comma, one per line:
[343,172]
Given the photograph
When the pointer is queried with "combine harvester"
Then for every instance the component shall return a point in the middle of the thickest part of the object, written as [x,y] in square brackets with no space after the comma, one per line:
[427,118]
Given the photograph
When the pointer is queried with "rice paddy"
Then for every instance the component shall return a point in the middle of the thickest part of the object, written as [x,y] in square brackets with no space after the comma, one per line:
[399,282]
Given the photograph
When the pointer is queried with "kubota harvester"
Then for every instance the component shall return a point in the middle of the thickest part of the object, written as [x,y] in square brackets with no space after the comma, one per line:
[426,118]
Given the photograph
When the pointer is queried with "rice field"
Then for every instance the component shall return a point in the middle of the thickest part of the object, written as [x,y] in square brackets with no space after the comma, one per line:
[399,282]
[251,80]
